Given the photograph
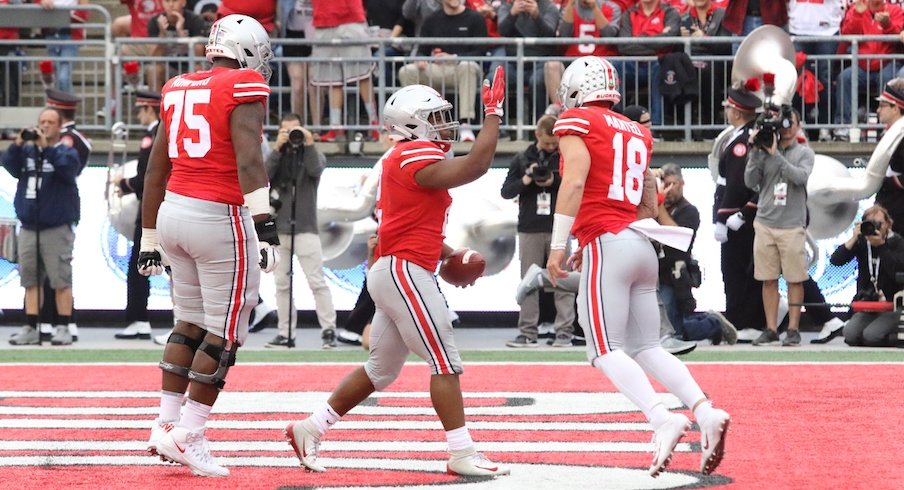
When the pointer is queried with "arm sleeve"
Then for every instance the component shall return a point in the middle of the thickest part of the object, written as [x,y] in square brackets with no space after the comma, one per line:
[737,195]
[12,159]
[798,174]
[895,21]
[314,161]
[753,171]
[672,21]
[272,164]
[549,20]
[153,28]
[513,186]
[842,255]
[506,25]
[64,160]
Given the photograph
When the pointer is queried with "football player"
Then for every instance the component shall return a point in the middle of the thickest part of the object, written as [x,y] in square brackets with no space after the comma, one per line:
[205,199]
[606,186]
[411,313]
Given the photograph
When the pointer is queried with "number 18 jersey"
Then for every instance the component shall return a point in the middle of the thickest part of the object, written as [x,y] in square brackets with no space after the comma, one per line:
[620,152]
[196,108]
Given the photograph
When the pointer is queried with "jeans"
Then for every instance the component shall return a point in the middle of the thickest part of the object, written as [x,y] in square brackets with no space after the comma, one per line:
[638,74]
[696,326]
[67,51]
[843,96]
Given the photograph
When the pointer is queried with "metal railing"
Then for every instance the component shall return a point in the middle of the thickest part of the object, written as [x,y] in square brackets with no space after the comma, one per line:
[108,92]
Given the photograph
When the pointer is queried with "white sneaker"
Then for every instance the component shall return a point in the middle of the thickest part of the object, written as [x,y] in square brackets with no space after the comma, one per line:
[830,330]
[712,440]
[676,346]
[748,335]
[73,331]
[532,281]
[190,449]
[466,134]
[305,441]
[135,330]
[468,462]
[162,338]
[665,439]
[158,430]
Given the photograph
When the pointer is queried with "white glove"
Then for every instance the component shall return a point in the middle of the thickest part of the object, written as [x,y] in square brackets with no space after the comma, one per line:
[721,233]
[735,221]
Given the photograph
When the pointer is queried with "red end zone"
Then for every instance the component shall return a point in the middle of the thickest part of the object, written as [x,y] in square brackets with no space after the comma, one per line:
[794,426]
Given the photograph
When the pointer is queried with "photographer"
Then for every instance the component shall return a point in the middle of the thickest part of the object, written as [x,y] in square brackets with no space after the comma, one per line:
[779,168]
[880,256]
[534,179]
[47,204]
[294,170]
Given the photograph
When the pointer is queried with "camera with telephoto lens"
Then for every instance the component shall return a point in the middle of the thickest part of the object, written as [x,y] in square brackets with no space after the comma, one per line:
[541,173]
[770,122]
[296,137]
[869,228]
[29,134]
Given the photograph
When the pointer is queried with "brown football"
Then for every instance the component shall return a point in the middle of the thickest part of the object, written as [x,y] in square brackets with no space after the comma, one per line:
[463,267]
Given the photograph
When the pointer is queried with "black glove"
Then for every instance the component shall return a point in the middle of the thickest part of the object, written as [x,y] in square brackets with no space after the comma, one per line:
[150,263]
[267,239]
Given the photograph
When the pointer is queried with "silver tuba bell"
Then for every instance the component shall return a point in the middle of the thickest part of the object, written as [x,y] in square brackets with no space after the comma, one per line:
[122,210]
[833,194]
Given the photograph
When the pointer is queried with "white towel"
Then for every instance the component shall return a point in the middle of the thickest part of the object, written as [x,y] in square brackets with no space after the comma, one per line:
[674,236]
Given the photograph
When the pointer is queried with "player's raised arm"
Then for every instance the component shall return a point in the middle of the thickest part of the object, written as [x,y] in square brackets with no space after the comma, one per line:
[468,168]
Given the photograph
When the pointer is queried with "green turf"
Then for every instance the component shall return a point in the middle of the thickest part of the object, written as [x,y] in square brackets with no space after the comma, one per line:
[789,355]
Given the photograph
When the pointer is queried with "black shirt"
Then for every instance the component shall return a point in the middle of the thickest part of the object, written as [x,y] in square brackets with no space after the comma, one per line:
[464,25]
[528,219]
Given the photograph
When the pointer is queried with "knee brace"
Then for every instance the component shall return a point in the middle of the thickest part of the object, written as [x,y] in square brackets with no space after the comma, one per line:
[191,343]
[225,357]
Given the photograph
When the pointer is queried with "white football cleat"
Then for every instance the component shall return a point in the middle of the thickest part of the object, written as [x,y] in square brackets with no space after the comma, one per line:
[665,438]
[158,430]
[306,442]
[468,462]
[190,449]
[712,440]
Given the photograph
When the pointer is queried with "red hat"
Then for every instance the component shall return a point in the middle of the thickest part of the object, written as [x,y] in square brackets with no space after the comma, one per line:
[57,99]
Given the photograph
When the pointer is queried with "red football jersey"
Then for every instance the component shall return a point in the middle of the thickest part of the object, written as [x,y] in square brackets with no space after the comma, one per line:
[587,28]
[332,13]
[412,218]
[620,153]
[196,109]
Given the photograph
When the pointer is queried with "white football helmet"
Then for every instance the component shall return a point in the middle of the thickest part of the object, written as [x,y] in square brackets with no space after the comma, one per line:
[418,112]
[243,39]
[588,79]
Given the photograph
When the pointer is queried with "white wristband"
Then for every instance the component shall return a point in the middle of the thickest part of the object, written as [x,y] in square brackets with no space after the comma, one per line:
[258,201]
[149,240]
[561,230]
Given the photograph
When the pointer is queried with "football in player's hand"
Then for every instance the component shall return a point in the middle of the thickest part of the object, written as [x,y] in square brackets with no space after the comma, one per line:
[462,267]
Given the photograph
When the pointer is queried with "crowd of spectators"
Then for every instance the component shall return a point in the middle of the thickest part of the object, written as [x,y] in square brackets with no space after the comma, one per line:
[824,94]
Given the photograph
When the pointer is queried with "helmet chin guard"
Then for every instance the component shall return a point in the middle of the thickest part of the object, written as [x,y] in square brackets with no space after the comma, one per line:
[418,112]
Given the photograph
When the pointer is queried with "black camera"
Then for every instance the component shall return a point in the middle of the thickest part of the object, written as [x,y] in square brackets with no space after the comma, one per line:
[869,228]
[769,123]
[541,173]
[867,294]
[29,134]
[296,137]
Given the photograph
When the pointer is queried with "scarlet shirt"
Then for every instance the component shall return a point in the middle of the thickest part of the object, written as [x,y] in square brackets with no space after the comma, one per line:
[412,217]
[587,28]
[332,13]
[141,12]
[263,12]
[620,153]
[196,109]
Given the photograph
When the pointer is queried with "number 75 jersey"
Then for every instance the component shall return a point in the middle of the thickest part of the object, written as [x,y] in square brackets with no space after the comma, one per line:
[620,153]
[196,108]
